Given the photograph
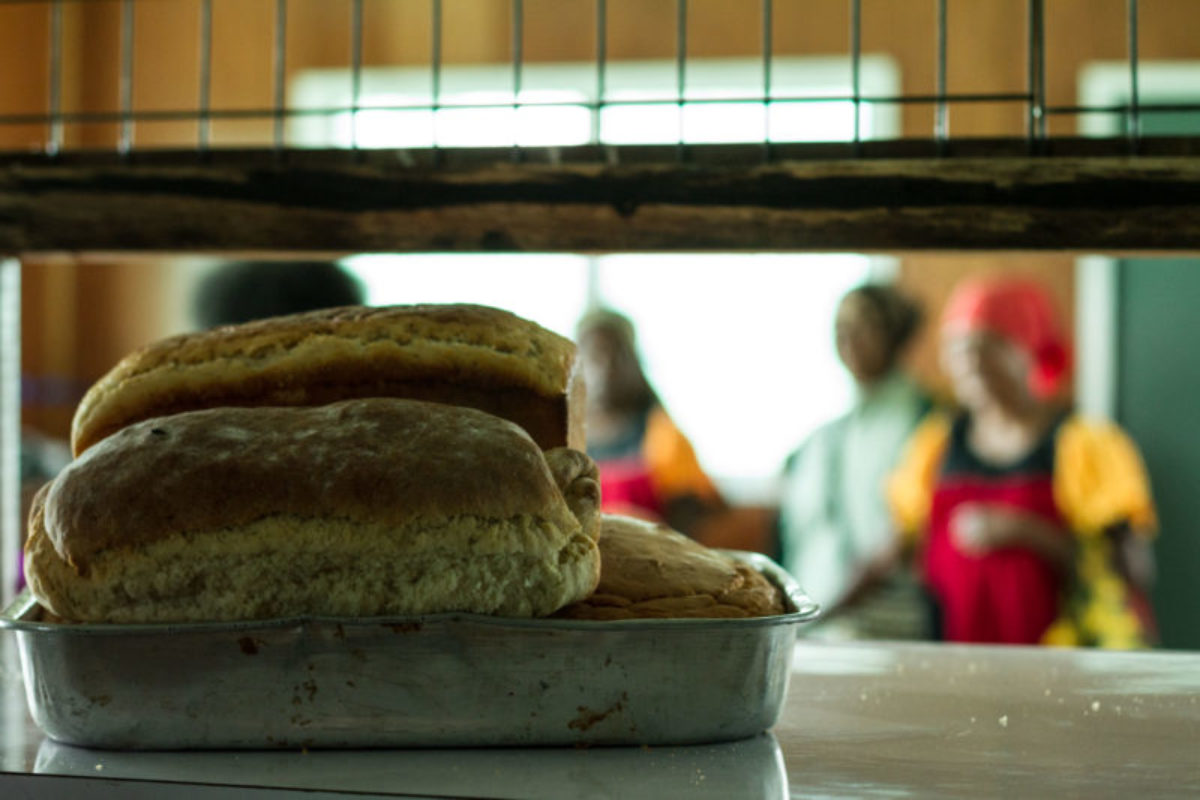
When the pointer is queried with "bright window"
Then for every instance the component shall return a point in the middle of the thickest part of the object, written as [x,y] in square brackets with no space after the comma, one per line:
[1106,84]
[740,349]
[548,289]
[476,105]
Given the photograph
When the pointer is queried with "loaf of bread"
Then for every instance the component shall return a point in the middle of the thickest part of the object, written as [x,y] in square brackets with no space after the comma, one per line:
[367,507]
[466,355]
[651,571]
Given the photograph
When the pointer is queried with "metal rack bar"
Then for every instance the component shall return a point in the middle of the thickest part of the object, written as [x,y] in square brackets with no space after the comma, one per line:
[518,47]
[681,12]
[280,75]
[1121,109]
[168,115]
[601,67]
[356,64]
[1036,124]
[1135,117]
[856,69]
[10,424]
[435,76]
[941,119]
[125,84]
[204,122]
[54,140]
[768,27]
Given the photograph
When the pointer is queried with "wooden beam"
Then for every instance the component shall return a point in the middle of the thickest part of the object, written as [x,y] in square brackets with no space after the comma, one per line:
[334,204]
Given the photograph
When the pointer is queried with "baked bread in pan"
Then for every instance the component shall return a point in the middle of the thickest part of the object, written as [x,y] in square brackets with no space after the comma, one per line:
[377,506]
[651,571]
[467,355]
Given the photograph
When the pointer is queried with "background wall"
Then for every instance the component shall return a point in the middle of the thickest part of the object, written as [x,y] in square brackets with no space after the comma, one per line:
[1158,381]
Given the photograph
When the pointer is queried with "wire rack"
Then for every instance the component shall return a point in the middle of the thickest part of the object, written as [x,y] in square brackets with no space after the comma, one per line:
[54,119]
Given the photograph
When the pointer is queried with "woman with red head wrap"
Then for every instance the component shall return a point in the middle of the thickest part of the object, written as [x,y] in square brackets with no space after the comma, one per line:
[1019,314]
[1022,506]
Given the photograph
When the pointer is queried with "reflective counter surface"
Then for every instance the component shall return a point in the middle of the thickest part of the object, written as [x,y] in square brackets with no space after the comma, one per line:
[861,720]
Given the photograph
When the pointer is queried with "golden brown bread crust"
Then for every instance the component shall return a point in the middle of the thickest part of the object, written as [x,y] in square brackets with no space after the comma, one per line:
[651,571]
[337,489]
[578,478]
[468,355]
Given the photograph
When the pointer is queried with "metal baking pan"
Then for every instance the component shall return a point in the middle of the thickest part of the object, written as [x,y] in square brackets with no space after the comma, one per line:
[440,680]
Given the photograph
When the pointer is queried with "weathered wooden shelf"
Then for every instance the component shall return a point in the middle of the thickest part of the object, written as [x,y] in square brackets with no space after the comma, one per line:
[713,199]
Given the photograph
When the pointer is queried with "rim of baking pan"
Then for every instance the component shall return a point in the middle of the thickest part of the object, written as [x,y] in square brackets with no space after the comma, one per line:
[804,610]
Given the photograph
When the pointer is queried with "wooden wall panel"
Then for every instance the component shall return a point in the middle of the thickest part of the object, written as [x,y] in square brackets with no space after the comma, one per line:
[167,69]
[80,315]
[49,345]
[99,48]
[24,31]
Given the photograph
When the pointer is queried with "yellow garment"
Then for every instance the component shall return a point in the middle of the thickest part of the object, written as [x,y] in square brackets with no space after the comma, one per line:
[910,486]
[674,469]
[1099,479]
[1099,482]
[1098,613]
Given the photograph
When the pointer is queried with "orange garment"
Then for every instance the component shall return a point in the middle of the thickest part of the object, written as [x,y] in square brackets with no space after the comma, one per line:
[674,469]
[653,467]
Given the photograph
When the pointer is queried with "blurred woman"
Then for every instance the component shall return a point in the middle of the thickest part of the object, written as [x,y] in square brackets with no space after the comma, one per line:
[836,534]
[1027,515]
[647,466]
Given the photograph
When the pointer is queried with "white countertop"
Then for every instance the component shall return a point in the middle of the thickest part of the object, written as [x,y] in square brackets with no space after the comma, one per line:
[861,719]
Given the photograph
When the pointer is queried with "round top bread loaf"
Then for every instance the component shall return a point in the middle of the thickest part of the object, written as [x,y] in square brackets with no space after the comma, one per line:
[651,571]
[364,507]
[468,355]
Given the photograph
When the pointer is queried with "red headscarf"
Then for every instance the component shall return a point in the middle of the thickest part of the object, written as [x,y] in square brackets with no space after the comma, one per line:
[1021,311]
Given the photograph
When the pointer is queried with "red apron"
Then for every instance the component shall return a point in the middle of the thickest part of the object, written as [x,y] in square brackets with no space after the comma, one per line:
[626,487]
[1009,595]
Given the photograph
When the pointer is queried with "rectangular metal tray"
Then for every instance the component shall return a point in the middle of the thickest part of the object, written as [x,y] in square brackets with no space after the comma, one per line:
[428,681]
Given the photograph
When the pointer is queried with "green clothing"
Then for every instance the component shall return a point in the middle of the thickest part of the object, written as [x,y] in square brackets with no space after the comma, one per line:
[834,518]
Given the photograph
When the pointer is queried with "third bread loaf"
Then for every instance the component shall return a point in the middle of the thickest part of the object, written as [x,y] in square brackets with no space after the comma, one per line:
[466,355]
[651,571]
